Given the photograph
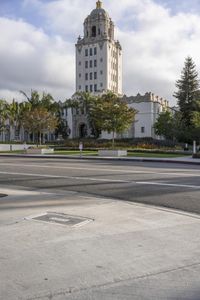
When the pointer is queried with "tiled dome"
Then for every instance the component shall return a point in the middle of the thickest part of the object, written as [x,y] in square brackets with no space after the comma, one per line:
[99,12]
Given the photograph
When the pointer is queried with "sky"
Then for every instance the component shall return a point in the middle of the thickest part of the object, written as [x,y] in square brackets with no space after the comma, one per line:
[37,44]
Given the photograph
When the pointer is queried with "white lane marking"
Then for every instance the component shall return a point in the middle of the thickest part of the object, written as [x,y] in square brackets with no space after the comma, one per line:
[101,180]
[106,170]
[65,177]
[168,184]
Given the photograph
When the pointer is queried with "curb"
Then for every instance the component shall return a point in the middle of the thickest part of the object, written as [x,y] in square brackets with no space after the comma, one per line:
[135,159]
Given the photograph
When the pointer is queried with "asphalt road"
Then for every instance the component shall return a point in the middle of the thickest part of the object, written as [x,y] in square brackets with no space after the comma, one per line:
[161,184]
[124,250]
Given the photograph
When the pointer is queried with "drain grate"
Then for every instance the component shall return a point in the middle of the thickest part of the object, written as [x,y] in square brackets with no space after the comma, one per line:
[62,219]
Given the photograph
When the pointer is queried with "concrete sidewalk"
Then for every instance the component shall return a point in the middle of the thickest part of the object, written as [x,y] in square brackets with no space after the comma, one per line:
[182,160]
[126,251]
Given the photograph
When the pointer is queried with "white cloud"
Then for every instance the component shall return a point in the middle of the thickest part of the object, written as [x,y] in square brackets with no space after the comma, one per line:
[155,44]
[30,59]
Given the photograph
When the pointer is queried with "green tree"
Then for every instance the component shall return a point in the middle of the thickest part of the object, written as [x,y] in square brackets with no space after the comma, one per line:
[187,93]
[112,114]
[165,125]
[39,120]
[196,124]
[196,119]
[44,101]
[85,102]
[13,116]
[62,129]
[3,115]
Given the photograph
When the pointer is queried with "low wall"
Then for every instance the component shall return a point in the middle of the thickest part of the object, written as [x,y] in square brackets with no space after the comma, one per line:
[112,153]
[39,151]
[13,147]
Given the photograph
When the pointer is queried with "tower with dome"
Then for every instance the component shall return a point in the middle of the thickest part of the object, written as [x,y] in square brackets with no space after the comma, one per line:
[98,55]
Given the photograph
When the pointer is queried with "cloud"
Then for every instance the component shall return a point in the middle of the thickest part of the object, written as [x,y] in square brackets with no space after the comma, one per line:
[30,59]
[155,42]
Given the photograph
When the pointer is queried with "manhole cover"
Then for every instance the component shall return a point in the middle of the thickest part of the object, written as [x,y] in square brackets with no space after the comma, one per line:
[3,195]
[62,219]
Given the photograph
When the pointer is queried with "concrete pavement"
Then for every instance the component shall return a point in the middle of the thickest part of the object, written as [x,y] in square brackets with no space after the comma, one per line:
[129,251]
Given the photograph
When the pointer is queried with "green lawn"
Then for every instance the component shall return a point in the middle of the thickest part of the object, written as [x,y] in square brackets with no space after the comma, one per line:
[14,152]
[130,154]
[95,153]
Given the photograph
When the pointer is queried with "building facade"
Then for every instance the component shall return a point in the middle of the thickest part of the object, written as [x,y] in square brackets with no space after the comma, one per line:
[98,55]
[98,64]
[148,108]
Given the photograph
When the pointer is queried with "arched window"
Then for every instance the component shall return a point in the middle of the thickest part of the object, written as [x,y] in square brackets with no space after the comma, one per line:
[94,31]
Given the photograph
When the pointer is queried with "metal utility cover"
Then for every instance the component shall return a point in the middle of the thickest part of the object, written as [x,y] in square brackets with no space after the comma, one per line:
[62,219]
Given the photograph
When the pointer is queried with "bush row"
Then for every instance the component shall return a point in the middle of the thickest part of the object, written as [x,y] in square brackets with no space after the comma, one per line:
[129,144]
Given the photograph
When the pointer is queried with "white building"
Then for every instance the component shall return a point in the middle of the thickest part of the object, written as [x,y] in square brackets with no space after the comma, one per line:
[148,108]
[98,64]
[98,55]
[99,69]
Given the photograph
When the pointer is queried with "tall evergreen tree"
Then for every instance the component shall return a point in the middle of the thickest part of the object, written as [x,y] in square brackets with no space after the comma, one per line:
[165,125]
[188,91]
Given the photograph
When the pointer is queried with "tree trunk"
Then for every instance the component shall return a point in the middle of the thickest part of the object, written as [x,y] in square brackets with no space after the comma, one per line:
[113,139]
[40,138]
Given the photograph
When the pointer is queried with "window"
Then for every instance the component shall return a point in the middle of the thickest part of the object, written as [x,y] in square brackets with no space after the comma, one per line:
[101,59]
[79,63]
[86,88]
[101,72]
[95,63]
[79,75]
[86,52]
[95,87]
[142,129]
[101,84]
[99,31]
[90,63]
[79,87]
[95,75]
[90,51]
[95,51]
[91,88]
[94,31]
[86,76]
[86,64]
[91,76]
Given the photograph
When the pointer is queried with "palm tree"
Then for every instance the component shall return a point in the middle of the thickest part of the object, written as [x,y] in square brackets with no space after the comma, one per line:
[3,115]
[22,108]
[13,113]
